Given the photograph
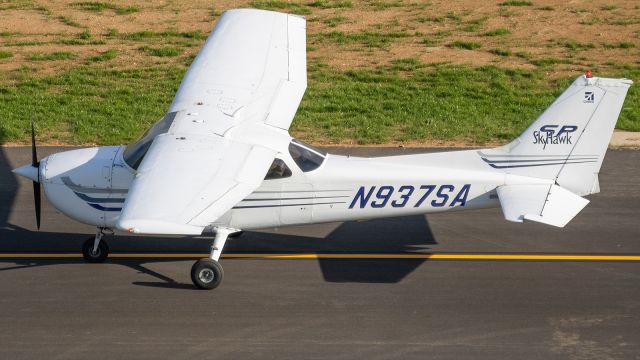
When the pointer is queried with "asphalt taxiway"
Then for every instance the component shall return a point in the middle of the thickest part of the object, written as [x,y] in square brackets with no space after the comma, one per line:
[451,286]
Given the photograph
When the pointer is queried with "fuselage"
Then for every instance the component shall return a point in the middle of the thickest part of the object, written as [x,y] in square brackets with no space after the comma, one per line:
[90,185]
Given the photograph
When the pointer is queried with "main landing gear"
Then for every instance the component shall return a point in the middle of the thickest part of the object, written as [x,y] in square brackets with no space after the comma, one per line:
[95,249]
[207,273]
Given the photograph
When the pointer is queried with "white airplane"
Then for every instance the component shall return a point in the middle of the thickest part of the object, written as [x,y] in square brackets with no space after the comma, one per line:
[222,160]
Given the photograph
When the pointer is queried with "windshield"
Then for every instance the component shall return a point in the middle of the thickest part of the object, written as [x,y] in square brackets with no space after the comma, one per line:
[134,153]
[305,156]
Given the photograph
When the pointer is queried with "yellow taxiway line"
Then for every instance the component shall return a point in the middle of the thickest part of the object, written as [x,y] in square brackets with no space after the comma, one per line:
[435,256]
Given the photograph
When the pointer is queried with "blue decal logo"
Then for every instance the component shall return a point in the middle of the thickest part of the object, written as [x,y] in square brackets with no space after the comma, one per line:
[554,135]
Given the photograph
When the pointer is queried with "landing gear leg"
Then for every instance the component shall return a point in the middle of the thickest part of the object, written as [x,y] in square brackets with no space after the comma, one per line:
[207,273]
[95,249]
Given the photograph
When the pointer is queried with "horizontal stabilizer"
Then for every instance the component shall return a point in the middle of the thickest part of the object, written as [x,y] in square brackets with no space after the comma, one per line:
[547,204]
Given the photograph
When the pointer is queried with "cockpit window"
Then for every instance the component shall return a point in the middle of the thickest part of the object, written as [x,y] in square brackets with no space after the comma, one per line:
[306,157]
[135,152]
[278,170]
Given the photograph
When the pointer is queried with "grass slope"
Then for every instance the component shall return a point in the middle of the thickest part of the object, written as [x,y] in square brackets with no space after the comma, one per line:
[405,101]
[380,71]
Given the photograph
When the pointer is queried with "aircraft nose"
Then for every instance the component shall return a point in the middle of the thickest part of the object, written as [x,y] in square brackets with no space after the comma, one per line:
[29,171]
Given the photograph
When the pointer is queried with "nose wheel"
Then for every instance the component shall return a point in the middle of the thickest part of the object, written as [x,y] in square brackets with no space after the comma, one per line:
[95,249]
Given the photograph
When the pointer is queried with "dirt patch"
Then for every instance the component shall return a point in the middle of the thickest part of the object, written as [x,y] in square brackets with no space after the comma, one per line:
[581,34]
[625,139]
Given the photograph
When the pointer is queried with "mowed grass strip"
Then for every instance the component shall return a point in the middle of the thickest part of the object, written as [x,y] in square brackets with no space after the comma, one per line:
[87,104]
[406,101]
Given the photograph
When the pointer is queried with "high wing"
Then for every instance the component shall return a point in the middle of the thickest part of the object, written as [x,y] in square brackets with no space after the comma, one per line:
[230,117]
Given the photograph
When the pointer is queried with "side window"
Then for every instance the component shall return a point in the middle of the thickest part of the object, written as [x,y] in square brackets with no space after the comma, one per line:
[306,157]
[278,170]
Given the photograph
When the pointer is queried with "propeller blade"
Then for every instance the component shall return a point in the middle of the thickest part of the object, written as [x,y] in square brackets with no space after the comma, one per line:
[36,198]
[34,154]
[36,184]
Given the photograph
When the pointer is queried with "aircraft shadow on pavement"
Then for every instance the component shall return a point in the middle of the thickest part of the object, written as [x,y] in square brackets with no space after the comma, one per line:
[400,235]
[382,236]
[410,234]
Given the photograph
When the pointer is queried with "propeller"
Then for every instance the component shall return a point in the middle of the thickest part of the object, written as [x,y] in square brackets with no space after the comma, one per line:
[36,182]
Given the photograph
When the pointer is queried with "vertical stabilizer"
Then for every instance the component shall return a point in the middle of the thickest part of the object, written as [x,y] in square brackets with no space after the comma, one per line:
[567,143]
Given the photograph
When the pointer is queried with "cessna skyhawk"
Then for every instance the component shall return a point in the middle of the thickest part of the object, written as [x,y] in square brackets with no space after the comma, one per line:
[222,160]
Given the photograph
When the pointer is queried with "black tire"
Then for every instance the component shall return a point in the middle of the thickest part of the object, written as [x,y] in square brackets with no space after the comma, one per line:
[206,274]
[99,256]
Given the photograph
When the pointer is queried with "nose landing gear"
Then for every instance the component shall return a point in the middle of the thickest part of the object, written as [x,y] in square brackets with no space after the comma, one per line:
[95,249]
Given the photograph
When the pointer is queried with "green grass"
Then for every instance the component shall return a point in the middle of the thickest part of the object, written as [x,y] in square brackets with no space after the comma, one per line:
[516,3]
[80,42]
[97,6]
[276,5]
[404,101]
[380,5]
[366,38]
[423,102]
[69,107]
[497,32]
[111,32]
[467,45]
[431,42]
[331,4]
[165,51]
[442,34]
[58,55]
[500,52]
[546,8]
[449,17]
[620,45]
[105,56]
[574,45]
[474,25]
[69,21]
[5,54]
[545,62]
[24,43]
[334,21]
[143,35]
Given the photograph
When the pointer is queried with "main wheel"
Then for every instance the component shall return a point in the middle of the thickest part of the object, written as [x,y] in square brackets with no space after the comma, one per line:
[98,256]
[206,274]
